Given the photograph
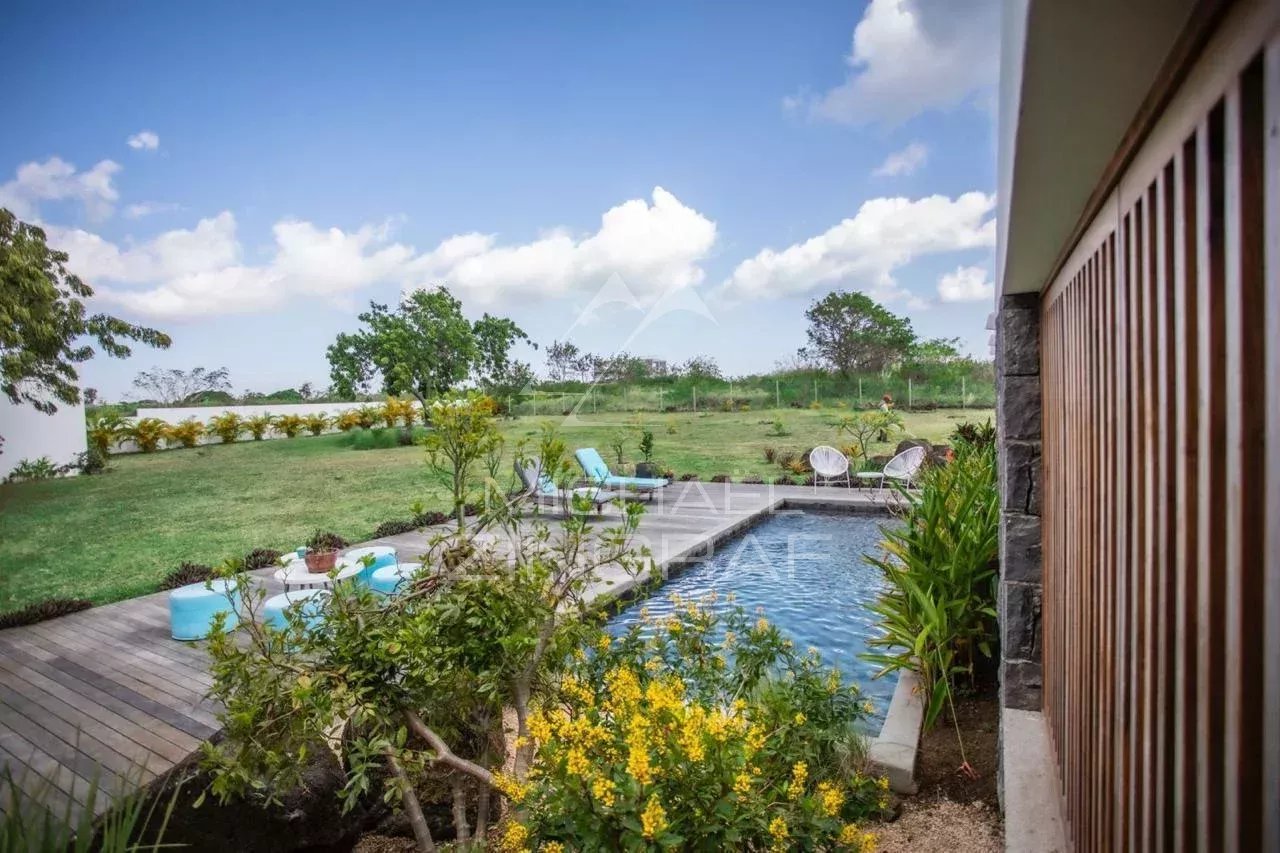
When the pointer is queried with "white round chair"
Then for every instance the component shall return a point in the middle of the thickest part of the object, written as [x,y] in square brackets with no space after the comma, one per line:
[902,467]
[828,464]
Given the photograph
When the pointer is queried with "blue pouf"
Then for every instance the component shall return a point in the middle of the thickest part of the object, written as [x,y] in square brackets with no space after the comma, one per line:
[192,608]
[383,555]
[312,608]
[390,580]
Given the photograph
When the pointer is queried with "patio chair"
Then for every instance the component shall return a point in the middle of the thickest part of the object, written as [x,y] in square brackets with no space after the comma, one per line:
[902,467]
[540,488]
[828,464]
[598,474]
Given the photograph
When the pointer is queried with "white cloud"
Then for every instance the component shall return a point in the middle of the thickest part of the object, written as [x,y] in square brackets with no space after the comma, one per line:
[966,284]
[144,140]
[909,56]
[57,180]
[199,272]
[865,250]
[904,162]
[653,246]
[149,208]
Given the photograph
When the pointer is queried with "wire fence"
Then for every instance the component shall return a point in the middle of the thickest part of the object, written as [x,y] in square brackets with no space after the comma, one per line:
[711,395]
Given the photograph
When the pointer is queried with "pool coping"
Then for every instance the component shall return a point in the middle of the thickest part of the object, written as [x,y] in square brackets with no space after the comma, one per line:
[893,753]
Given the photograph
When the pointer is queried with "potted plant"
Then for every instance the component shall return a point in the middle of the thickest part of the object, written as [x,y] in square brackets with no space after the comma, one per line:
[322,552]
[646,468]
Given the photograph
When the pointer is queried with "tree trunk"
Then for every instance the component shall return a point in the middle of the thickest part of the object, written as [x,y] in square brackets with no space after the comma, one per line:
[460,815]
[412,809]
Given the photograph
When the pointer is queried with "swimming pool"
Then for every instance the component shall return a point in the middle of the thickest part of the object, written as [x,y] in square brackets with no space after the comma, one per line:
[806,570]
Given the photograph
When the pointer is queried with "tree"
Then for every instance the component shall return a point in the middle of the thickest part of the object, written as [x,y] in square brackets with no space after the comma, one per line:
[90,396]
[851,331]
[494,338]
[44,324]
[172,386]
[424,347]
[937,350]
[702,367]
[563,359]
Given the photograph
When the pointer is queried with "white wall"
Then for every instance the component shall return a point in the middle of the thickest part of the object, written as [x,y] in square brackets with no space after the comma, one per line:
[177,414]
[29,434]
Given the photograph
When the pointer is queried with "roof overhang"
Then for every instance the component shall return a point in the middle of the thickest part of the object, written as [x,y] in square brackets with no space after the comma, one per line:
[1072,79]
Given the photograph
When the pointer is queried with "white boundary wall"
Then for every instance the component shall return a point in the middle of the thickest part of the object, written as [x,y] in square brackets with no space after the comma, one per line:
[29,434]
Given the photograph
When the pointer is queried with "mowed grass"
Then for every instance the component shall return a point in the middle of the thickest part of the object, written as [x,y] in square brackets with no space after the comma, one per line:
[115,536]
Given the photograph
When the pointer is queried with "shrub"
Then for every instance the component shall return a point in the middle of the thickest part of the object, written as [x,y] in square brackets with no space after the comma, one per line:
[90,461]
[770,455]
[866,427]
[386,438]
[702,732]
[975,435]
[396,411]
[259,425]
[362,439]
[348,420]
[290,426]
[394,528]
[367,416]
[187,433]
[147,433]
[938,612]
[753,480]
[688,477]
[646,445]
[34,469]
[226,426]
[316,423]
[50,608]
[779,428]
[105,432]
[784,480]
[430,519]
[784,458]
[186,573]
[722,478]
[261,558]
[799,465]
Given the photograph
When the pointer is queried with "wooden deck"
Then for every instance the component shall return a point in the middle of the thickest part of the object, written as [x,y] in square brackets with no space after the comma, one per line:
[107,695]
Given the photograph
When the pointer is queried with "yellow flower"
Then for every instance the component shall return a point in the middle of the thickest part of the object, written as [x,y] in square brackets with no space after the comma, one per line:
[830,799]
[730,638]
[799,774]
[867,844]
[778,829]
[883,783]
[869,707]
[833,681]
[638,753]
[515,839]
[604,791]
[539,726]
[850,836]
[762,624]
[756,737]
[691,733]
[551,847]
[602,644]
[653,819]
[742,784]
[799,719]
[577,763]
[510,787]
[652,665]
[623,686]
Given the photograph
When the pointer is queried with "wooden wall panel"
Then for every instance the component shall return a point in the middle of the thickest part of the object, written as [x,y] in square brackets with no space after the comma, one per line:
[1160,493]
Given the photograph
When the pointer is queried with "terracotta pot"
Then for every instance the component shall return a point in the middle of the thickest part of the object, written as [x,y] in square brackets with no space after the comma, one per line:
[321,562]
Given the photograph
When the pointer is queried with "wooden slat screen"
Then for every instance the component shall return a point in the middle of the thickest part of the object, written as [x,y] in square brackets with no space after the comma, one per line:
[1160,491]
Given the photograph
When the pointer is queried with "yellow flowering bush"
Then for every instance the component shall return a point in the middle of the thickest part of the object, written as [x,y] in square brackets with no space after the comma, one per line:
[703,731]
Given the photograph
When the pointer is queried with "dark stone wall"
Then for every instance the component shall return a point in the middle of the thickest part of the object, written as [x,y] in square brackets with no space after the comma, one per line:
[1018,423]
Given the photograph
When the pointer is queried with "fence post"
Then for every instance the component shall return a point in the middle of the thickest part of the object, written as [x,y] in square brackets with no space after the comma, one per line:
[910,395]
[534,397]
[815,390]
[964,394]
[695,398]
[659,399]
[777,395]
[859,392]
[592,392]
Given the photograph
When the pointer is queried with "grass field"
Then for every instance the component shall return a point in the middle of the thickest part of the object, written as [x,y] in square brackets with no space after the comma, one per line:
[115,536]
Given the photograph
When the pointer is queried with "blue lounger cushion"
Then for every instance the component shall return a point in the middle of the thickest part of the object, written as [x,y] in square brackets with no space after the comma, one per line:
[598,472]
[192,608]
[391,580]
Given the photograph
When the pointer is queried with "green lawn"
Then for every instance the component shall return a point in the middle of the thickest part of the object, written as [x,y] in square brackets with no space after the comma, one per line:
[114,536]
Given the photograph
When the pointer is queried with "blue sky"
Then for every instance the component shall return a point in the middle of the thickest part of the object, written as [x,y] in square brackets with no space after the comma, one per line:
[248,176]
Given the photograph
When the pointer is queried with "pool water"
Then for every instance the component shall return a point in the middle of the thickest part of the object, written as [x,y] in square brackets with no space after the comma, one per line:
[806,570]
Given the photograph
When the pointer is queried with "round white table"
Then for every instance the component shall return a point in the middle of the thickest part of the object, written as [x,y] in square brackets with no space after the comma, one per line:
[295,575]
